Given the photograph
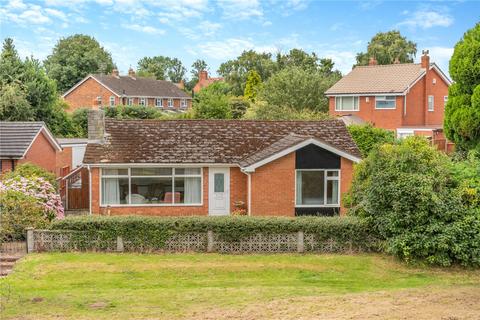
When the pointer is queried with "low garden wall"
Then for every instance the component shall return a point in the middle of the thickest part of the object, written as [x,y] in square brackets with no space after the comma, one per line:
[204,234]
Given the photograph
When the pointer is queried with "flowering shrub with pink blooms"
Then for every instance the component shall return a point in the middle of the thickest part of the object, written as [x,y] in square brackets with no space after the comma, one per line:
[27,202]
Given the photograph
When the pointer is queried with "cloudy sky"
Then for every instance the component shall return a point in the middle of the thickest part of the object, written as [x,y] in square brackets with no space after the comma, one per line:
[218,30]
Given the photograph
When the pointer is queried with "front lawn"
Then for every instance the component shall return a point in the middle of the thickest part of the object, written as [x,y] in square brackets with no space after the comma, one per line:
[131,286]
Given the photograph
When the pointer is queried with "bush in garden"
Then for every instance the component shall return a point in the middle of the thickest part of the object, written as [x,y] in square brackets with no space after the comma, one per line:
[132,112]
[27,202]
[29,170]
[408,195]
[367,137]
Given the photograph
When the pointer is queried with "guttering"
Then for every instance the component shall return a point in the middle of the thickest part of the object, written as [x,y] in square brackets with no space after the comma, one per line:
[168,165]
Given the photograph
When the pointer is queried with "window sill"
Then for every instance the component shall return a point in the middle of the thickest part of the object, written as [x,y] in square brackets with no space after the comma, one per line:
[150,205]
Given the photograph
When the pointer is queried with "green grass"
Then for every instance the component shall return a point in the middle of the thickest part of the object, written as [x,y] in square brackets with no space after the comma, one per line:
[134,286]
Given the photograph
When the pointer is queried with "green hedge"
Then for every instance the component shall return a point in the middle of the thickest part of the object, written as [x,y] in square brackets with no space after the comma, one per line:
[153,231]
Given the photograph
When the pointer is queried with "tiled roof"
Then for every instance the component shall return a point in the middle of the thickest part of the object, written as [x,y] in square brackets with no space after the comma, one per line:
[15,137]
[209,141]
[140,86]
[392,78]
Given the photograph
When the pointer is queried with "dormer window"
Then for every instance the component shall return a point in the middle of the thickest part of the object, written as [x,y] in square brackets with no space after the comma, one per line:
[170,103]
[141,101]
[385,102]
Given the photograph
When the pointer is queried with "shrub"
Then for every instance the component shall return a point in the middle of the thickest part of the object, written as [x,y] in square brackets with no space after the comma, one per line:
[153,231]
[80,120]
[408,195]
[213,102]
[133,112]
[368,137]
[30,170]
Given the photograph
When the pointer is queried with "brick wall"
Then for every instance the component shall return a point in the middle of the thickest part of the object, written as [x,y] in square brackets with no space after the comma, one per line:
[273,188]
[439,90]
[63,159]
[147,210]
[85,95]
[6,165]
[346,177]
[41,153]
[238,187]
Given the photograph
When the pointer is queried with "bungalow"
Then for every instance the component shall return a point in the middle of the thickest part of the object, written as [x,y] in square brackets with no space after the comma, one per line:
[214,167]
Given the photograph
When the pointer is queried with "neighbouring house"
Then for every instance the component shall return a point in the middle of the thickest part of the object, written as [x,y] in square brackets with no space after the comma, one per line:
[32,142]
[214,167]
[98,90]
[204,81]
[408,98]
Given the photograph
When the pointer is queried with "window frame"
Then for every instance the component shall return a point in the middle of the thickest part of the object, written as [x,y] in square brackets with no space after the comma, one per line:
[170,105]
[161,102]
[356,107]
[130,102]
[432,108]
[112,101]
[385,98]
[130,176]
[183,104]
[144,102]
[445,100]
[326,178]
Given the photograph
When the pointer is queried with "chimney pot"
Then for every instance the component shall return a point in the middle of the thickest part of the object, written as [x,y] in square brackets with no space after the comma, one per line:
[203,75]
[372,61]
[96,125]
[115,73]
[131,73]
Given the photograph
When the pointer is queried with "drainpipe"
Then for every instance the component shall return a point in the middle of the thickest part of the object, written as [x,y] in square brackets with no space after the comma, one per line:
[249,194]
[89,190]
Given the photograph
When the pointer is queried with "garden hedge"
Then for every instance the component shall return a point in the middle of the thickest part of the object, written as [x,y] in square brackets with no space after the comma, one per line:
[153,231]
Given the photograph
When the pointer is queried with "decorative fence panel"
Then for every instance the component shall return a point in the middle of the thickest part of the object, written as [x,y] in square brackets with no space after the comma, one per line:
[63,240]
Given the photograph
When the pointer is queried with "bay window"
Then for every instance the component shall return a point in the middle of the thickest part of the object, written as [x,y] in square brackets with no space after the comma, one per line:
[317,188]
[346,103]
[151,186]
[385,102]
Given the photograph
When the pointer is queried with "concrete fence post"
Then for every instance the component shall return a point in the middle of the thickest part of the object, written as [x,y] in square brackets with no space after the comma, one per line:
[30,240]
[209,241]
[300,242]
[120,244]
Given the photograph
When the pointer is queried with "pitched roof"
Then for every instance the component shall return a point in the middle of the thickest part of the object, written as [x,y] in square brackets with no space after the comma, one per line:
[210,141]
[17,136]
[136,86]
[391,78]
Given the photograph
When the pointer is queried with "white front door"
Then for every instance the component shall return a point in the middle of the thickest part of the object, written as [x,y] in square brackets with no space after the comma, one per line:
[219,191]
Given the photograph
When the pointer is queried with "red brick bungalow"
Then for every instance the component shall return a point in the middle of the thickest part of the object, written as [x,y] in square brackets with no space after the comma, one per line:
[98,90]
[408,98]
[212,167]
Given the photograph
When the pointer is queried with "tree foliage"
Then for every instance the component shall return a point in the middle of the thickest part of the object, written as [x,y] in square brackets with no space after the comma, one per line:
[162,68]
[213,102]
[260,110]
[197,66]
[74,57]
[367,137]
[253,85]
[385,47]
[14,105]
[462,112]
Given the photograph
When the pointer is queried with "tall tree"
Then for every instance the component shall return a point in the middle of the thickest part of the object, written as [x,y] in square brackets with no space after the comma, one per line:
[197,66]
[162,68]
[14,105]
[386,47]
[74,57]
[235,71]
[462,112]
[297,58]
[253,85]
[213,102]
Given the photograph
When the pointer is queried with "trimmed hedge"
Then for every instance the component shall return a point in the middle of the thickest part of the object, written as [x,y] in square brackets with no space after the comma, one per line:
[153,231]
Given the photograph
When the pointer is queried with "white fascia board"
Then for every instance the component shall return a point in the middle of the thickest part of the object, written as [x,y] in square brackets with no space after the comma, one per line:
[159,165]
[251,168]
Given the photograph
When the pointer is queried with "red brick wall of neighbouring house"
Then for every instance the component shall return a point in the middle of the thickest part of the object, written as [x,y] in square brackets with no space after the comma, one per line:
[346,177]
[148,211]
[63,159]
[41,153]
[85,95]
[387,119]
[439,90]
[151,102]
[6,165]
[238,187]
[415,105]
[273,188]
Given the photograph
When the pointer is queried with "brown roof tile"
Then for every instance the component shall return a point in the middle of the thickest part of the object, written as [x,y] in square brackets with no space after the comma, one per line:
[209,141]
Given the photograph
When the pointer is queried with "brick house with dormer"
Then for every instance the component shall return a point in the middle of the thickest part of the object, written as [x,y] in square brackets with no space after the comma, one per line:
[98,90]
[408,98]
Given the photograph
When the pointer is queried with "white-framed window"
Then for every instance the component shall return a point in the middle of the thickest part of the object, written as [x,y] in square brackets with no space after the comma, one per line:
[385,102]
[170,103]
[431,103]
[445,100]
[158,102]
[401,134]
[317,188]
[183,103]
[347,103]
[130,101]
[141,101]
[99,100]
[151,186]
[112,101]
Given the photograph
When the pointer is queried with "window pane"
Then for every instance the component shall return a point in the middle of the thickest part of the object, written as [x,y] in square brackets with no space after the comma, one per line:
[332,173]
[151,171]
[151,190]
[188,190]
[114,190]
[347,103]
[218,182]
[332,192]
[311,188]
[115,172]
[188,171]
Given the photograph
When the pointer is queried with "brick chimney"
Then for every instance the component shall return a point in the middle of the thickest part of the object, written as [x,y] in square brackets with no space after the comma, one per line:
[425,59]
[131,73]
[180,85]
[372,61]
[96,126]
[203,75]
[115,73]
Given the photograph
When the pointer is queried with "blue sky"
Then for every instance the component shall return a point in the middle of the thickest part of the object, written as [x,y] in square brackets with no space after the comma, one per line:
[220,30]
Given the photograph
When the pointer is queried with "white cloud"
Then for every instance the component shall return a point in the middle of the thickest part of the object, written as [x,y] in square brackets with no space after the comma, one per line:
[441,56]
[56,13]
[17,4]
[240,9]
[231,48]
[344,60]
[144,29]
[427,18]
